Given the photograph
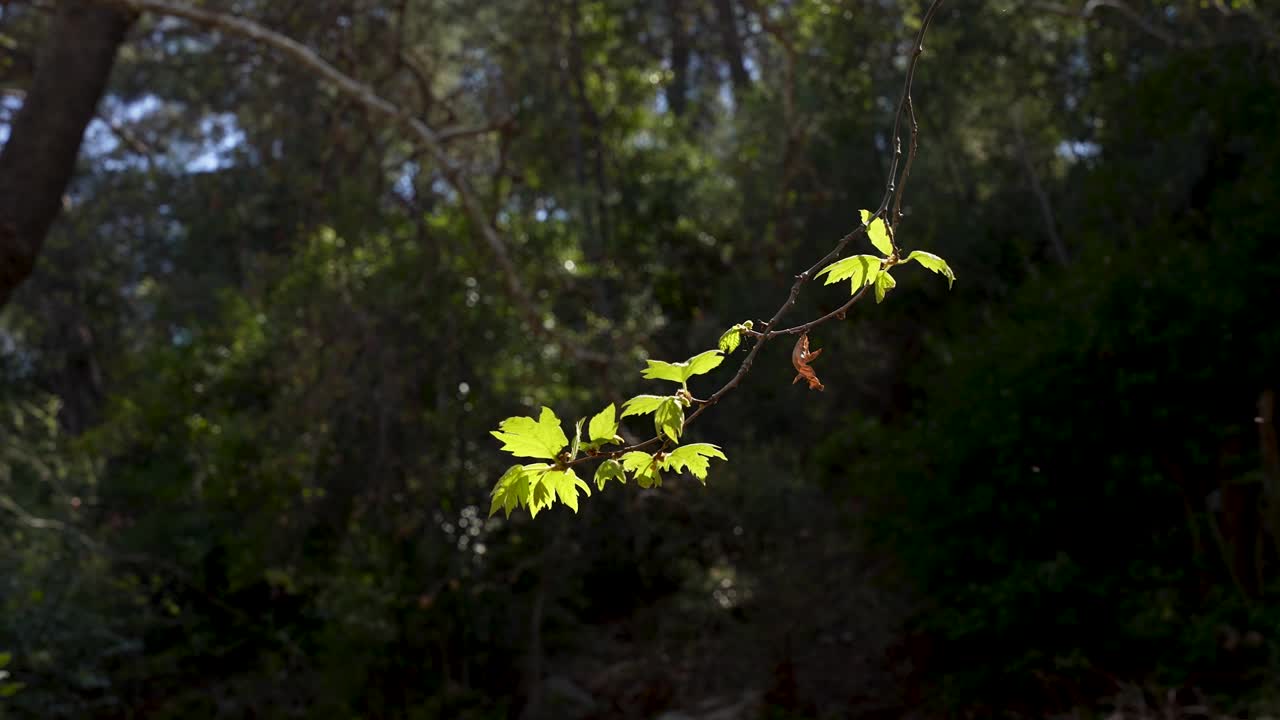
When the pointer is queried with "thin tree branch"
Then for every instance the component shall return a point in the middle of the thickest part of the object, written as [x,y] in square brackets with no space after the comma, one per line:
[895,186]
[1129,13]
[1037,189]
[370,99]
[39,523]
[453,133]
[127,137]
[1132,16]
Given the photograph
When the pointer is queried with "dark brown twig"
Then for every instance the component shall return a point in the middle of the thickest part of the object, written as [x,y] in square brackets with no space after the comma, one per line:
[894,186]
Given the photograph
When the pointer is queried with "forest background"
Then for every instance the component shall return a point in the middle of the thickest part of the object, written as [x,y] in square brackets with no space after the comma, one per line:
[257,329]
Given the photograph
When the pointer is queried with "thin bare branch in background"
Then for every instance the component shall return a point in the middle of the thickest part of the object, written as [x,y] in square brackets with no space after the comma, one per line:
[1042,198]
[1129,14]
[895,185]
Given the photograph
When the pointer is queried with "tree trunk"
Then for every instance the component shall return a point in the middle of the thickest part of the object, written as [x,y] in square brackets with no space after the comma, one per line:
[37,161]
[678,90]
[728,22]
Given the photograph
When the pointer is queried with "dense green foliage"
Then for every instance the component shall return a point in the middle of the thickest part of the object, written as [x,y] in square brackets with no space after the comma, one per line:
[251,402]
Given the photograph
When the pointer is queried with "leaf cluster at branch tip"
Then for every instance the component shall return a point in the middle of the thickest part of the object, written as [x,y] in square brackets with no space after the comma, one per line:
[537,486]
[868,270]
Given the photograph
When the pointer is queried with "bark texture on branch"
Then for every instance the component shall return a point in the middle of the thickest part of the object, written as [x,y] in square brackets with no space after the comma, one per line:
[39,157]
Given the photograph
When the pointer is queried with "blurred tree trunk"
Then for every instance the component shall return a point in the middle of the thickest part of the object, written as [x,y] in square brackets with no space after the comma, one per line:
[678,90]
[733,55]
[37,161]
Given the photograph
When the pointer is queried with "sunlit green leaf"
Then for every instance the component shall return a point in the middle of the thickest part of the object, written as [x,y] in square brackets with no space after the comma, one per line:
[669,418]
[643,467]
[604,426]
[704,362]
[730,340]
[536,487]
[541,495]
[877,233]
[610,470]
[681,372]
[512,490]
[526,437]
[643,404]
[934,263]
[565,485]
[860,270]
[695,458]
[635,461]
[884,283]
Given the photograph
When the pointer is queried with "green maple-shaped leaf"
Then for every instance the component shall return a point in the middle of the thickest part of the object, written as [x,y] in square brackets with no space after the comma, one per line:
[732,337]
[730,340]
[669,418]
[536,487]
[610,470]
[565,485]
[526,437]
[877,233]
[635,461]
[860,270]
[643,404]
[643,467]
[884,283]
[681,372]
[934,263]
[604,426]
[541,495]
[695,458]
[512,490]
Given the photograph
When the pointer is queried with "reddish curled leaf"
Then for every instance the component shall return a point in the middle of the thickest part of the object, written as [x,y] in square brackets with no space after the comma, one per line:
[800,358]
